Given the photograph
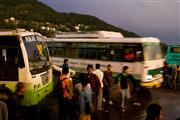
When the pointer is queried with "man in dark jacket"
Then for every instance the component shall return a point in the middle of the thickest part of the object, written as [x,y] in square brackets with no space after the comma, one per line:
[94,82]
[108,81]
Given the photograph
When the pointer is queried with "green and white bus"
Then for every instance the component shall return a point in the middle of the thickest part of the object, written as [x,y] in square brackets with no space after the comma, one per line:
[145,62]
[24,57]
[173,54]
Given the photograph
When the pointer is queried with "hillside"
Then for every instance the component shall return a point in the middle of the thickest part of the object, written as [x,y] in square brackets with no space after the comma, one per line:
[32,14]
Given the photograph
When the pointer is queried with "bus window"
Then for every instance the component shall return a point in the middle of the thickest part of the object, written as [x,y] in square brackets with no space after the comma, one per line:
[175,50]
[139,55]
[81,53]
[73,53]
[10,66]
[91,53]
[9,58]
[106,54]
[131,53]
[59,52]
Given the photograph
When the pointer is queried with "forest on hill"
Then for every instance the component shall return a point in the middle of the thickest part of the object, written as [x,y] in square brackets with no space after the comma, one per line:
[37,16]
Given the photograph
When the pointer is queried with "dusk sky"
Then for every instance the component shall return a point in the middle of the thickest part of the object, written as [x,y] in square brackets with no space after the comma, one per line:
[156,18]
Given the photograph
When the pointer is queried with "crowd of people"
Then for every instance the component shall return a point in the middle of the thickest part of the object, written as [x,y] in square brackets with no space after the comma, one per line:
[94,88]
[83,100]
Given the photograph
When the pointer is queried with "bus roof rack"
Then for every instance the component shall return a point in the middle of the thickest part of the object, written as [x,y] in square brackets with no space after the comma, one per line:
[89,34]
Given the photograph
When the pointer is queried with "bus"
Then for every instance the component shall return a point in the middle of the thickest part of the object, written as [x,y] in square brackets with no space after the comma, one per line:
[173,54]
[24,58]
[143,56]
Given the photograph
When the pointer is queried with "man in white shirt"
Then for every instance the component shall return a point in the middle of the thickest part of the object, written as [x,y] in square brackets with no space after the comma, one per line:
[100,75]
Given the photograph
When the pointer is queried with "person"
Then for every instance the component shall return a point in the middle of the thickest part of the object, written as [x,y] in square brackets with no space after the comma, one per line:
[3,111]
[17,111]
[57,71]
[78,86]
[135,90]
[178,118]
[129,56]
[165,74]
[95,86]
[94,82]
[154,112]
[3,106]
[85,96]
[19,95]
[168,75]
[123,86]
[171,75]
[100,75]
[174,76]
[67,94]
[65,64]
[108,81]
[77,89]
[67,84]
[178,75]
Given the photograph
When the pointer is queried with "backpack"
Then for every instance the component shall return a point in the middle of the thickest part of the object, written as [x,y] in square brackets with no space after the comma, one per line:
[58,90]
[66,84]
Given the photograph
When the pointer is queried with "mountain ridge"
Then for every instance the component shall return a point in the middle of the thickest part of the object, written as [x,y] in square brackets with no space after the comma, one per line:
[33,14]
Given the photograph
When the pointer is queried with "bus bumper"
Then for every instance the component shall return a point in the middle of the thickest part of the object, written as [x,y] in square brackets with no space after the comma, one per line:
[152,84]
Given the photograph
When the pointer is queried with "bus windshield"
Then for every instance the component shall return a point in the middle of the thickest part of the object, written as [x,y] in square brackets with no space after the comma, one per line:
[173,54]
[37,54]
[152,51]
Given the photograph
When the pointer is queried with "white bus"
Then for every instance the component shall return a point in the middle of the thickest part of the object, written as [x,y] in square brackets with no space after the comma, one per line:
[25,58]
[143,56]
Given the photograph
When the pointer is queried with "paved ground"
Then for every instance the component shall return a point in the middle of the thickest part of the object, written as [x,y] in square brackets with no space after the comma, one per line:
[167,98]
[170,101]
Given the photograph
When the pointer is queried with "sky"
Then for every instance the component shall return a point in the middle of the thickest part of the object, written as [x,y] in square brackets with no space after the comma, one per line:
[147,18]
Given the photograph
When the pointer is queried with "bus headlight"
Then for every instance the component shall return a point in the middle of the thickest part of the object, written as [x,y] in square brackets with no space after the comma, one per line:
[149,77]
[161,72]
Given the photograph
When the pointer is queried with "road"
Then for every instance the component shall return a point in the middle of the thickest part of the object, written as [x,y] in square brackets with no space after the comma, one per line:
[167,98]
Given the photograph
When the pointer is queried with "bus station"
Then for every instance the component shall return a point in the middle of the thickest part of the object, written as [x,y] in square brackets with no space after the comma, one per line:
[29,59]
